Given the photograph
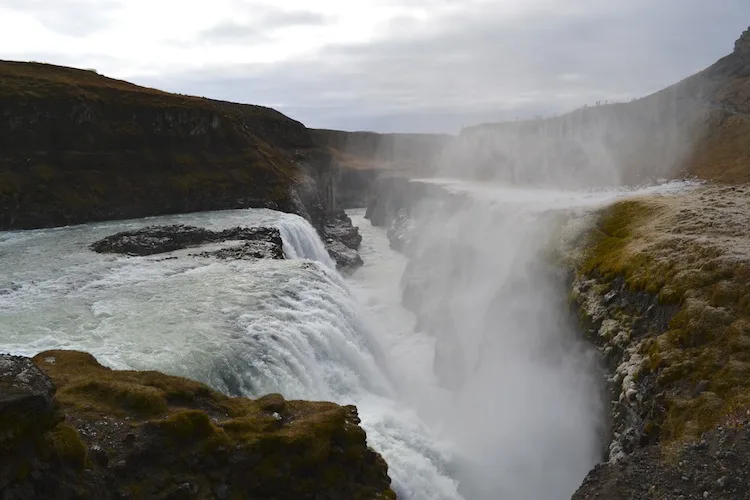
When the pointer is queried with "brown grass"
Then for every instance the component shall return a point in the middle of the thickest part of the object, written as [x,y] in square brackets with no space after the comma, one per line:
[692,250]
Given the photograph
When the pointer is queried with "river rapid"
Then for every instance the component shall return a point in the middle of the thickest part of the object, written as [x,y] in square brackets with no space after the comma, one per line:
[297,327]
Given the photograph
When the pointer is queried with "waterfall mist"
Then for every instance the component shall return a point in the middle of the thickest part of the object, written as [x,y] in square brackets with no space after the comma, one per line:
[524,405]
[525,400]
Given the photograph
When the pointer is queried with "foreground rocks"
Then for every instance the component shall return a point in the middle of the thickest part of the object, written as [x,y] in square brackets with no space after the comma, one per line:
[121,434]
[259,242]
[714,467]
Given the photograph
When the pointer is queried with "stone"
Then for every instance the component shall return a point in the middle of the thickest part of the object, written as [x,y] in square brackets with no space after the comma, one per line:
[27,403]
[259,242]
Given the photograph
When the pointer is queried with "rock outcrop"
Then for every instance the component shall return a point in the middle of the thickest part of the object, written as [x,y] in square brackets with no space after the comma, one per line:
[742,45]
[660,286]
[342,239]
[714,467]
[259,242]
[143,435]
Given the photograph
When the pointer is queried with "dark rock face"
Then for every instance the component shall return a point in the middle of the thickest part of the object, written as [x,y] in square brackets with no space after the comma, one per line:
[615,318]
[147,435]
[27,409]
[79,147]
[347,259]
[354,186]
[742,45]
[714,467]
[261,242]
[342,239]
[341,229]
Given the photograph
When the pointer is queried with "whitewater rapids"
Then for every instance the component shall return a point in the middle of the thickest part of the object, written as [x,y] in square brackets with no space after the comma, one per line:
[293,326]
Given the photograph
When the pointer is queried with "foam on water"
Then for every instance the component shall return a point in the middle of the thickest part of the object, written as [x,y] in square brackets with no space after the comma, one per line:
[244,327]
[298,328]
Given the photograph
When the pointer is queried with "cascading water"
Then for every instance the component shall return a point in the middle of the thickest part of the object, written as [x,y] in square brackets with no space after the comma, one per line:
[244,327]
[524,408]
[485,394]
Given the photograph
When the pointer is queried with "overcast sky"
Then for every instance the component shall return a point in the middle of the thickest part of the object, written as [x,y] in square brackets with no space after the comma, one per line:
[384,65]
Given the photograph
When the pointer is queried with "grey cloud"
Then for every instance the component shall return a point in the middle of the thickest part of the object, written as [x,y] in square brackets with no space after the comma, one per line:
[260,24]
[482,66]
[77,18]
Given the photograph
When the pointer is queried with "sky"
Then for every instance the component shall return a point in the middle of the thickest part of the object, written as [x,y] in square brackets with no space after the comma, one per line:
[384,65]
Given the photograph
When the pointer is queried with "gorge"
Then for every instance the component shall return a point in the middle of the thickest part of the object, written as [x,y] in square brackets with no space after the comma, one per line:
[528,300]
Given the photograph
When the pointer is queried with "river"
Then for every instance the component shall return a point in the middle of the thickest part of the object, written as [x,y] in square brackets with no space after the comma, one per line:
[298,328]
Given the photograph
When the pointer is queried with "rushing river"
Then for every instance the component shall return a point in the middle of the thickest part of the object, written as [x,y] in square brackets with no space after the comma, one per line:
[298,328]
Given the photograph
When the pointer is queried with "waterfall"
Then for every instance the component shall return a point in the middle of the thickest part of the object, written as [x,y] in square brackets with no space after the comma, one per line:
[244,327]
[301,241]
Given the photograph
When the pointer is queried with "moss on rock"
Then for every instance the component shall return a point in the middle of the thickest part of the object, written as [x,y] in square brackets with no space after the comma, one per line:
[197,442]
[688,254]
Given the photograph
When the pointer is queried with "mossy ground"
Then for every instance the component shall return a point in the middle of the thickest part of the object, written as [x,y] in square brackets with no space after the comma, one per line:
[285,449]
[692,250]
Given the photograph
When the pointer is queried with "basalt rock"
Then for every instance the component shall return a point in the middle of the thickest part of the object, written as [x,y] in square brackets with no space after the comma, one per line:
[147,435]
[347,259]
[260,242]
[714,467]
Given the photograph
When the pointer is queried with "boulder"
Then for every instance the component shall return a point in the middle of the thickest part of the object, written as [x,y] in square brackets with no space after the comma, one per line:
[261,242]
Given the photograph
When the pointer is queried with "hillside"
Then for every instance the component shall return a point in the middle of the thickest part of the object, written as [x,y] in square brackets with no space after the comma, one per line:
[78,146]
[699,126]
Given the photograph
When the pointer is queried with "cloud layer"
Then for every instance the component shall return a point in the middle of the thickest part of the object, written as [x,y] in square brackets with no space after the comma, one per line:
[412,65]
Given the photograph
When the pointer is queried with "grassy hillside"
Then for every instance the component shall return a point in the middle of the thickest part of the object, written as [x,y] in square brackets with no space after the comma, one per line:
[78,146]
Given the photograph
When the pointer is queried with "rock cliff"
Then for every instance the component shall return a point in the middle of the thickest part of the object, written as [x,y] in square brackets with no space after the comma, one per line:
[660,285]
[361,157]
[80,147]
[72,429]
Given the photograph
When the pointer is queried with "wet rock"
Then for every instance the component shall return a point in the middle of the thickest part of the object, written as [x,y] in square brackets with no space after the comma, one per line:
[342,239]
[398,231]
[347,260]
[260,242]
[27,404]
[341,229]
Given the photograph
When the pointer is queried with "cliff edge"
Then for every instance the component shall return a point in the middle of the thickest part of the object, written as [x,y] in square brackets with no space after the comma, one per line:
[72,429]
[80,147]
[660,284]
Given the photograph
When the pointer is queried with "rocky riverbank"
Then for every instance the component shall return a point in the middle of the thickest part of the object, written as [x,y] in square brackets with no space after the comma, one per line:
[71,428]
[660,285]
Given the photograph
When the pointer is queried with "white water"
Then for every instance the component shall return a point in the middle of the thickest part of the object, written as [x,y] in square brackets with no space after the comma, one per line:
[297,328]
[243,327]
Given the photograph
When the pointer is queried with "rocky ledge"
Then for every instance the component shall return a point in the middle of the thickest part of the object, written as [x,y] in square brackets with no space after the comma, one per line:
[660,284]
[258,242]
[342,240]
[73,429]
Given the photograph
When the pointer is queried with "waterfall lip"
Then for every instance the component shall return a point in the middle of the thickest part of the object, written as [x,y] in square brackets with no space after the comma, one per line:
[246,327]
